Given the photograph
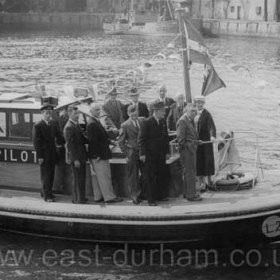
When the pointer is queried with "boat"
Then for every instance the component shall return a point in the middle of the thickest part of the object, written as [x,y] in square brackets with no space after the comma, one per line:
[223,219]
[164,24]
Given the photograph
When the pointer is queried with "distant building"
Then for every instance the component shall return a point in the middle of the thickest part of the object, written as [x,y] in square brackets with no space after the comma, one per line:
[42,6]
[255,10]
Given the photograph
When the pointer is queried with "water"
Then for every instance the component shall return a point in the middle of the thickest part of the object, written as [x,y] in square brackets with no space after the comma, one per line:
[250,68]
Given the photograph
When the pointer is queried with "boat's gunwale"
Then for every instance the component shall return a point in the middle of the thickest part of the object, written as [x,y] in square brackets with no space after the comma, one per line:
[205,217]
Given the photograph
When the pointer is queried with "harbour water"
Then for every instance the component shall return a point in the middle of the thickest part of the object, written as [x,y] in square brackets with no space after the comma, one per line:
[250,67]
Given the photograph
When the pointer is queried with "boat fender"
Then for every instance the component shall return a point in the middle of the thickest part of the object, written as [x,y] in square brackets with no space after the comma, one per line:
[236,181]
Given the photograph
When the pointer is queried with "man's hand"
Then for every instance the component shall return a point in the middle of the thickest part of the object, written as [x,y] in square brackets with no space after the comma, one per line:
[142,158]
[213,139]
[200,142]
[77,164]
[167,157]
[40,161]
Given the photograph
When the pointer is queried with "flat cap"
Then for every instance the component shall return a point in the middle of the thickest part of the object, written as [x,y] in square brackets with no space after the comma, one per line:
[133,91]
[131,109]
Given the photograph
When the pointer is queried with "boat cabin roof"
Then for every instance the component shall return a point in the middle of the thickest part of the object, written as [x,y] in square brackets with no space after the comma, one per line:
[19,112]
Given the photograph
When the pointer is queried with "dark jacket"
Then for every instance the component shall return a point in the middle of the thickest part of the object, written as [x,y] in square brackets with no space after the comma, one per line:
[45,138]
[205,154]
[98,141]
[168,101]
[129,135]
[153,138]
[142,110]
[114,108]
[186,134]
[174,115]
[75,143]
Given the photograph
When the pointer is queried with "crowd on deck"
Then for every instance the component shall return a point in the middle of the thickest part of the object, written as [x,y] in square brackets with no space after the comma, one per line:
[142,134]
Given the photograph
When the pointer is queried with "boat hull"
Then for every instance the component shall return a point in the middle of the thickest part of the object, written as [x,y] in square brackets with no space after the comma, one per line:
[142,29]
[160,28]
[201,231]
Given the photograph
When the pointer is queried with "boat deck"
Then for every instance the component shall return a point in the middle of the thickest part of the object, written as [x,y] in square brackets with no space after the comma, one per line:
[264,196]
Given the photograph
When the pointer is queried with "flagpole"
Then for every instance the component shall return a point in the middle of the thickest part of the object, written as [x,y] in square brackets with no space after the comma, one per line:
[186,62]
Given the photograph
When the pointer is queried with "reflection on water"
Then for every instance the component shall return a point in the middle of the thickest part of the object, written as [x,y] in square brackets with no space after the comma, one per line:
[250,68]
[30,258]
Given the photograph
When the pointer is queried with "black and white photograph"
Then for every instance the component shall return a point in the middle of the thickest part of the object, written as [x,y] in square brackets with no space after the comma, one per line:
[139,139]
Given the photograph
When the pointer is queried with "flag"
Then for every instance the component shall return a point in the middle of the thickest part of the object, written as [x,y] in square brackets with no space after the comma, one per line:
[212,82]
[197,50]
[198,53]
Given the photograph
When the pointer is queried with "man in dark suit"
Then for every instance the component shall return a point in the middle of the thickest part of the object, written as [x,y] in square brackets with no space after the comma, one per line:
[188,141]
[99,154]
[176,111]
[167,101]
[114,108]
[76,154]
[46,137]
[154,147]
[128,144]
[141,107]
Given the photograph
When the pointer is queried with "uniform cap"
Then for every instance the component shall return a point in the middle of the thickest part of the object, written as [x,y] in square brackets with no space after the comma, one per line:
[199,98]
[47,107]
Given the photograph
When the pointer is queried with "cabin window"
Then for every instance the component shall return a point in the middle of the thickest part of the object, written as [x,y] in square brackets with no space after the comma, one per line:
[258,10]
[3,132]
[20,125]
[36,118]
[232,8]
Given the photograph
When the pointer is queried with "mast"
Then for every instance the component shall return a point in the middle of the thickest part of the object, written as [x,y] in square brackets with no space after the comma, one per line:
[186,63]
[170,10]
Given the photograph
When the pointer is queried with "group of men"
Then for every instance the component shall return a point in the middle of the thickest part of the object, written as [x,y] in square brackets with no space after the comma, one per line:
[142,134]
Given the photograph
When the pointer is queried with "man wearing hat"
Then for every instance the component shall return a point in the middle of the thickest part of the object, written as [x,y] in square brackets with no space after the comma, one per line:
[176,111]
[167,101]
[99,154]
[114,108]
[128,144]
[46,135]
[188,141]
[154,147]
[141,107]
[205,155]
[76,154]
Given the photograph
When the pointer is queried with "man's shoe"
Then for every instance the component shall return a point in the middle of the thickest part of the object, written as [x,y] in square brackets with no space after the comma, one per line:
[164,199]
[49,199]
[116,199]
[136,201]
[99,200]
[152,204]
[52,196]
[82,202]
[196,198]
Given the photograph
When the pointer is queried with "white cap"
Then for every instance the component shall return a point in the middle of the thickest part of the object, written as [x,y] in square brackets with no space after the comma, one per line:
[199,98]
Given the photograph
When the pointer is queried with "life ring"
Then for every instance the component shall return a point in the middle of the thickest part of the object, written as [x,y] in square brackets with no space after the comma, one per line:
[236,182]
